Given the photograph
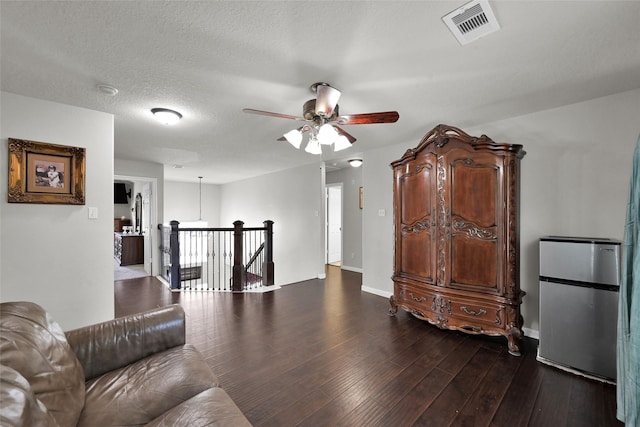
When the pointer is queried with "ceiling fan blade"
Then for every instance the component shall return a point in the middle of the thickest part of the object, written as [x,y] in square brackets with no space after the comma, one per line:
[350,137]
[326,99]
[268,113]
[369,118]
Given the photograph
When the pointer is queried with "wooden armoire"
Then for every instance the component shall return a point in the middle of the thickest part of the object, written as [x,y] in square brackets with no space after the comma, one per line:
[456,234]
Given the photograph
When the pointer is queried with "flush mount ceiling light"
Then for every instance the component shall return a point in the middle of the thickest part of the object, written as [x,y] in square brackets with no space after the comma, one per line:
[356,163]
[166,116]
[323,121]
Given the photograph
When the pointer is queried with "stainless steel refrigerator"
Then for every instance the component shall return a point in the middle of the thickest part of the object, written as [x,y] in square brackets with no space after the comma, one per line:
[579,284]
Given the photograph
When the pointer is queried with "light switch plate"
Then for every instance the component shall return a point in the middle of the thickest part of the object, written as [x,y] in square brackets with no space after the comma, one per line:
[93,213]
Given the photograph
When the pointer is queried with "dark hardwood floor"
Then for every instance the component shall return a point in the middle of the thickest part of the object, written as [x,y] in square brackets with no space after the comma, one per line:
[321,352]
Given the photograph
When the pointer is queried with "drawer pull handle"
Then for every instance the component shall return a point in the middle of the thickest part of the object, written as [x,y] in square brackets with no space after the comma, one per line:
[473,313]
[421,299]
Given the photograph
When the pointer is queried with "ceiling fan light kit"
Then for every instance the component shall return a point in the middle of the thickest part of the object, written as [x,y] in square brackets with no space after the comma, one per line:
[166,116]
[322,117]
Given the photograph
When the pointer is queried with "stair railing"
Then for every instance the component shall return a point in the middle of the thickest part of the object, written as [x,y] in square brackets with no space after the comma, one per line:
[235,259]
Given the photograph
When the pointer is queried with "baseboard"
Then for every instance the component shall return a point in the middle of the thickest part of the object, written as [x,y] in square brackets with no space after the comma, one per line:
[322,276]
[354,269]
[375,291]
[531,333]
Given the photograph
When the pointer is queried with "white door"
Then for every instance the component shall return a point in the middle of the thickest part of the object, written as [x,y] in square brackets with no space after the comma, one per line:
[334,223]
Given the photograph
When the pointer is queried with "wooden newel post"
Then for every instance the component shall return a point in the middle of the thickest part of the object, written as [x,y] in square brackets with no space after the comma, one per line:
[238,268]
[267,264]
[174,256]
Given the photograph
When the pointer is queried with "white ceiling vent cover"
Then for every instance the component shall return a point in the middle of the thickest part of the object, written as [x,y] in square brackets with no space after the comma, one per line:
[472,21]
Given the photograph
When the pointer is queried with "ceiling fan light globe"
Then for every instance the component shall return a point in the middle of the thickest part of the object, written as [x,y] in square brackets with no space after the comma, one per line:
[294,137]
[342,143]
[313,147]
[327,134]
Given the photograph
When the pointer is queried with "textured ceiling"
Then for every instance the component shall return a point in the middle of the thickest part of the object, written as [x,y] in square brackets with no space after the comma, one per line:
[209,60]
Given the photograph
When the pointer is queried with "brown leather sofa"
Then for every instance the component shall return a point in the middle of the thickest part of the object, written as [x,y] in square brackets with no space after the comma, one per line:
[130,371]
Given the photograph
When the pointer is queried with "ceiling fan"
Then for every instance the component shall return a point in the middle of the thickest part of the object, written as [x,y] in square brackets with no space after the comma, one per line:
[321,116]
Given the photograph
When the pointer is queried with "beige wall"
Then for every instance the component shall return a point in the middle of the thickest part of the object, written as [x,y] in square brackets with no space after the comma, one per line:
[55,255]
[293,200]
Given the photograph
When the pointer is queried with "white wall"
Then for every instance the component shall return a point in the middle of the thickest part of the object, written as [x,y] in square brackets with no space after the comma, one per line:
[293,199]
[183,202]
[351,179]
[54,255]
[575,180]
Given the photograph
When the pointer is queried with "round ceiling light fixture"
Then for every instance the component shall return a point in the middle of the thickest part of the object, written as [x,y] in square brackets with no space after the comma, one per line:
[355,163]
[166,116]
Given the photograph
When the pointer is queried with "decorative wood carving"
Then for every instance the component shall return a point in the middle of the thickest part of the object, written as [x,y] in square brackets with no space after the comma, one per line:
[456,234]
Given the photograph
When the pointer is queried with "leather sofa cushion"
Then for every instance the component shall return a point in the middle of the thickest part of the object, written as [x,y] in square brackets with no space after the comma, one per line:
[138,393]
[34,345]
[20,407]
[212,407]
[115,343]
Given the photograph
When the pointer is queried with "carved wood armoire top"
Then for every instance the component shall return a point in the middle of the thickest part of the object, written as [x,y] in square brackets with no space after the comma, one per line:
[439,137]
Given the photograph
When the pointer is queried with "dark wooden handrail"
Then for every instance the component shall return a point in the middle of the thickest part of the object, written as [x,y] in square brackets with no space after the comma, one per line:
[253,257]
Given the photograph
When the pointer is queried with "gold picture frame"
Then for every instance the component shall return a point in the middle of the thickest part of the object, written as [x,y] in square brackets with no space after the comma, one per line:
[46,173]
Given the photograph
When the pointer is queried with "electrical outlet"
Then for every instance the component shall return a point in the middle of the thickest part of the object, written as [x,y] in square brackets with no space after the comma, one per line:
[381,212]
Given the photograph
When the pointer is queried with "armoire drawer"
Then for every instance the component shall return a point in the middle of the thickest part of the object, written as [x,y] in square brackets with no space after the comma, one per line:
[473,312]
[460,311]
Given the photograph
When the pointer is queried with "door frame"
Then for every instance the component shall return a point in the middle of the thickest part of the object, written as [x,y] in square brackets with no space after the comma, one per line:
[151,267]
[338,185]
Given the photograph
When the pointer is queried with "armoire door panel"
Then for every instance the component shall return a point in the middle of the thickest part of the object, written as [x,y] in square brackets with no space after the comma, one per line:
[418,257]
[475,188]
[474,263]
[416,205]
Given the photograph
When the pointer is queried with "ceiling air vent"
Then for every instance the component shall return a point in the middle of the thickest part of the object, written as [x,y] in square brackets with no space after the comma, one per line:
[472,21]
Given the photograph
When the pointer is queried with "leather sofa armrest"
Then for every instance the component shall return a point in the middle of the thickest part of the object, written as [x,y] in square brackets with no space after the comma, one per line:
[116,343]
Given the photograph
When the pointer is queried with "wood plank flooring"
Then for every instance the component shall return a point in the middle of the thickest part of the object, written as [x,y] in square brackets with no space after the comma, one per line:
[323,353]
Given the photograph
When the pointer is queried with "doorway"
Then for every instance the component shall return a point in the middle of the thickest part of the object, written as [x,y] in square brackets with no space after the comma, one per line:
[144,214]
[334,224]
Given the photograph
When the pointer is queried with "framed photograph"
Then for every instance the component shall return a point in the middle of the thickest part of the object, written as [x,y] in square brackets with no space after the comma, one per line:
[361,198]
[45,173]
